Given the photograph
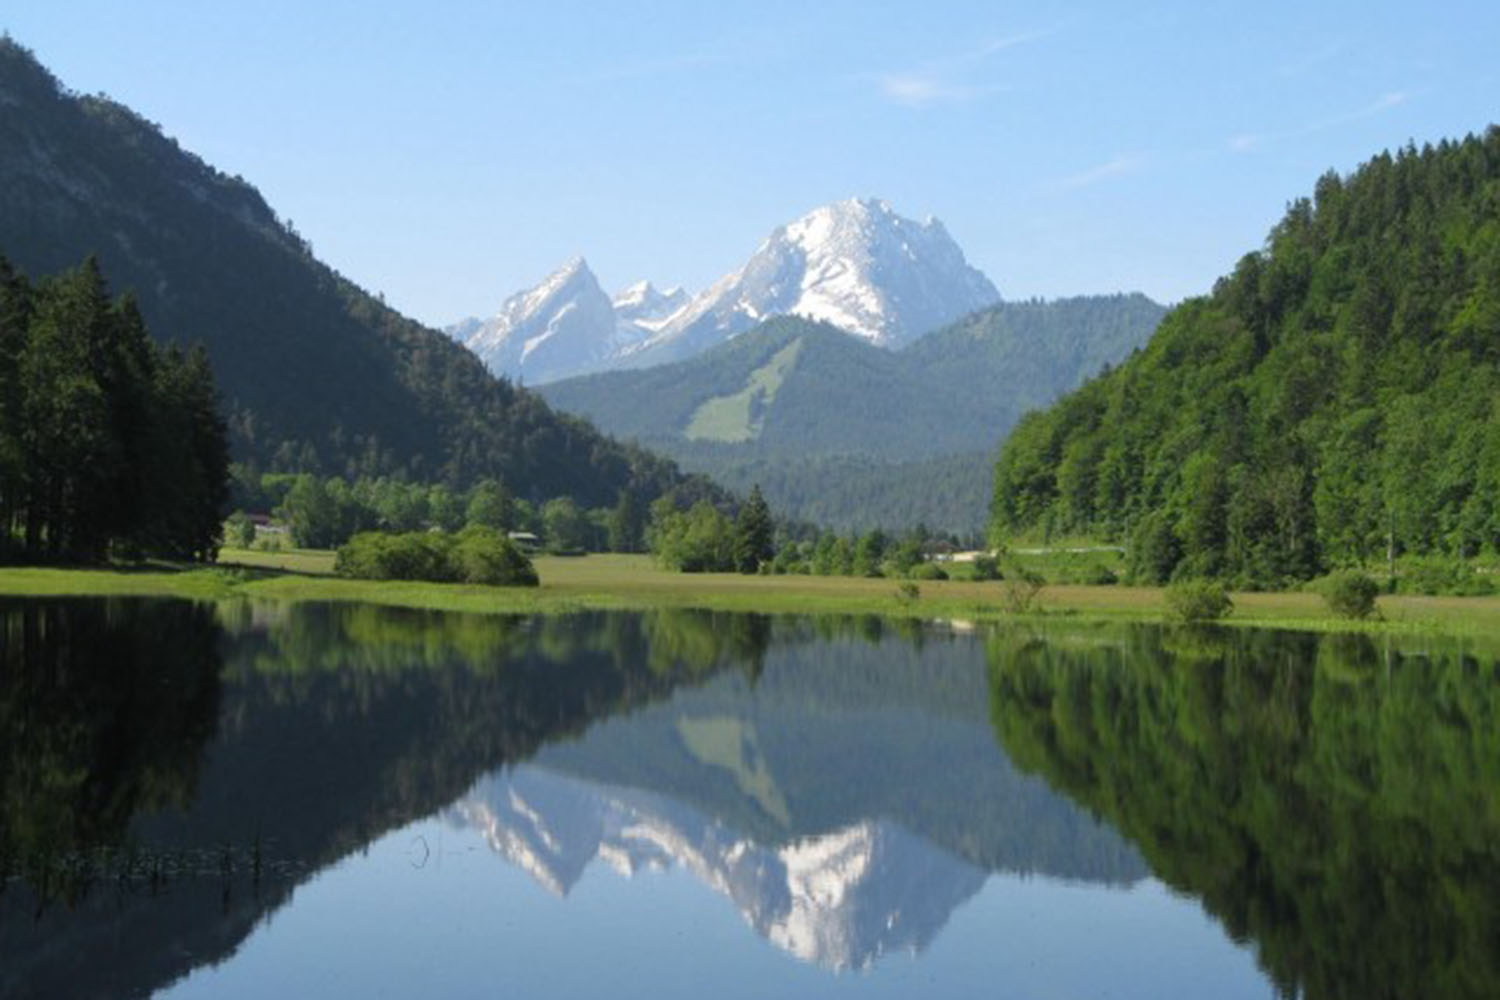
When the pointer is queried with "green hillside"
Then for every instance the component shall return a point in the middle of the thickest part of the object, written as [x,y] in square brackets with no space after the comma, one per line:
[317,374]
[842,432]
[1333,401]
[789,387]
[856,492]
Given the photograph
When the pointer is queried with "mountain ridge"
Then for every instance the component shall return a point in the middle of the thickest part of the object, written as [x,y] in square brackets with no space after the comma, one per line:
[839,411]
[856,264]
[317,375]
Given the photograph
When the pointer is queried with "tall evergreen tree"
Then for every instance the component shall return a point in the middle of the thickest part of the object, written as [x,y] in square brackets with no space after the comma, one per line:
[754,534]
[108,444]
[626,524]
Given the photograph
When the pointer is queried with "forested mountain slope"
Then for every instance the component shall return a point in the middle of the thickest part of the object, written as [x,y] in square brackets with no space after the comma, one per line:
[844,432]
[790,386]
[317,374]
[1332,401]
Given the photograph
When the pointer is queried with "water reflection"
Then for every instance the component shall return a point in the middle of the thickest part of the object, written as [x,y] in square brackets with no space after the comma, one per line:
[106,709]
[840,899]
[169,781]
[846,800]
[172,773]
[1334,799]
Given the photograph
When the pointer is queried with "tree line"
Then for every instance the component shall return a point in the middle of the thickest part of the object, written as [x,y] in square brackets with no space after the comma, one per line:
[326,512]
[1332,403]
[110,445]
[316,374]
[705,539]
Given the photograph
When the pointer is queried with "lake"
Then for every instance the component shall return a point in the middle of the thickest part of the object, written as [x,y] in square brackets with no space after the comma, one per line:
[251,800]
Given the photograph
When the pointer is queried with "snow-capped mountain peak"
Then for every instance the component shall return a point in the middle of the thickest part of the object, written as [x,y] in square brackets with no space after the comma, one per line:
[855,263]
[563,325]
[644,307]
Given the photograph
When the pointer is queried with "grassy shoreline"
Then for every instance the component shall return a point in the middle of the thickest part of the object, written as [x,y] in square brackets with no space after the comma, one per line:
[600,582]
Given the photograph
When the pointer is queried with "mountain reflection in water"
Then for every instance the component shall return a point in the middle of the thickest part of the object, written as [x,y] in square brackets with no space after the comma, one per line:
[840,899]
[175,772]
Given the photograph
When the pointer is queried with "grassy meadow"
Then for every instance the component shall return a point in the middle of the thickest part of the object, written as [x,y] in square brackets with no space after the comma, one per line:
[634,582]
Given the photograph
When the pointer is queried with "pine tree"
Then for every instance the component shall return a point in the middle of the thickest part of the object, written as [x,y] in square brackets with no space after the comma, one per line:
[625,524]
[754,534]
[109,446]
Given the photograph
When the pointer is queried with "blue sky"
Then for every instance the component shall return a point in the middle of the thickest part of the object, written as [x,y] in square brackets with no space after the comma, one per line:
[446,154]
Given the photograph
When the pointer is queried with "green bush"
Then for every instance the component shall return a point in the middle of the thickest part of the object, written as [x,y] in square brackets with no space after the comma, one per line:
[1198,600]
[1088,571]
[478,554]
[484,555]
[927,571]
[270,543]
[239,530]
[1442,576]
[986,568]
[1021,589]
[1099,575]
[1349,593]
[374,555]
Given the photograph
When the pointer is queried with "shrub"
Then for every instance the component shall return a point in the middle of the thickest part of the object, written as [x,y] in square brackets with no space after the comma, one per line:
[374,555]
[1088,571]
[927,571]
[239,530]
[1099,575]
[484,555]
[986,568]
[1198,600]
[1437,575]
[1349,593]
[478,554]
[907,592]
[1021,588]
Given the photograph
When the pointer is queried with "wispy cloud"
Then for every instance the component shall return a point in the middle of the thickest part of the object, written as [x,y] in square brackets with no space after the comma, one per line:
[949,79]
[1248,141]
[1124,163]
[917,90]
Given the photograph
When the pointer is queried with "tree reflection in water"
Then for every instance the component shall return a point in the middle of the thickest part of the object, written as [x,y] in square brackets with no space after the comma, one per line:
[1334,799]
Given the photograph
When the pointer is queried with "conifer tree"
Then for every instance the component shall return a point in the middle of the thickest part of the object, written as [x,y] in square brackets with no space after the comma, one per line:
[754,534]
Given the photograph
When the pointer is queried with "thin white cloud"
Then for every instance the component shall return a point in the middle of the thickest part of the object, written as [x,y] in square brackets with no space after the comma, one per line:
[1247,141]
[918,90]
[947,80]
[1125,163]
[1395,98]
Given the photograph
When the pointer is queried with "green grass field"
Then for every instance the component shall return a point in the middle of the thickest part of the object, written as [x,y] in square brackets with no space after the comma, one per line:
[633,582]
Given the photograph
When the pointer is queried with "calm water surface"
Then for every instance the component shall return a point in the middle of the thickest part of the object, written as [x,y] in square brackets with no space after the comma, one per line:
[344,800]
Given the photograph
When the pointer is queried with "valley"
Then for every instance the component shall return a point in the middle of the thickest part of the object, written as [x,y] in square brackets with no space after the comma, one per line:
[843,432]
[793,597]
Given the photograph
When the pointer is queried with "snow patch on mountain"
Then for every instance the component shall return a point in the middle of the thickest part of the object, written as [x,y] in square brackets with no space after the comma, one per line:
[855,264]
[563,326]
[567,325]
